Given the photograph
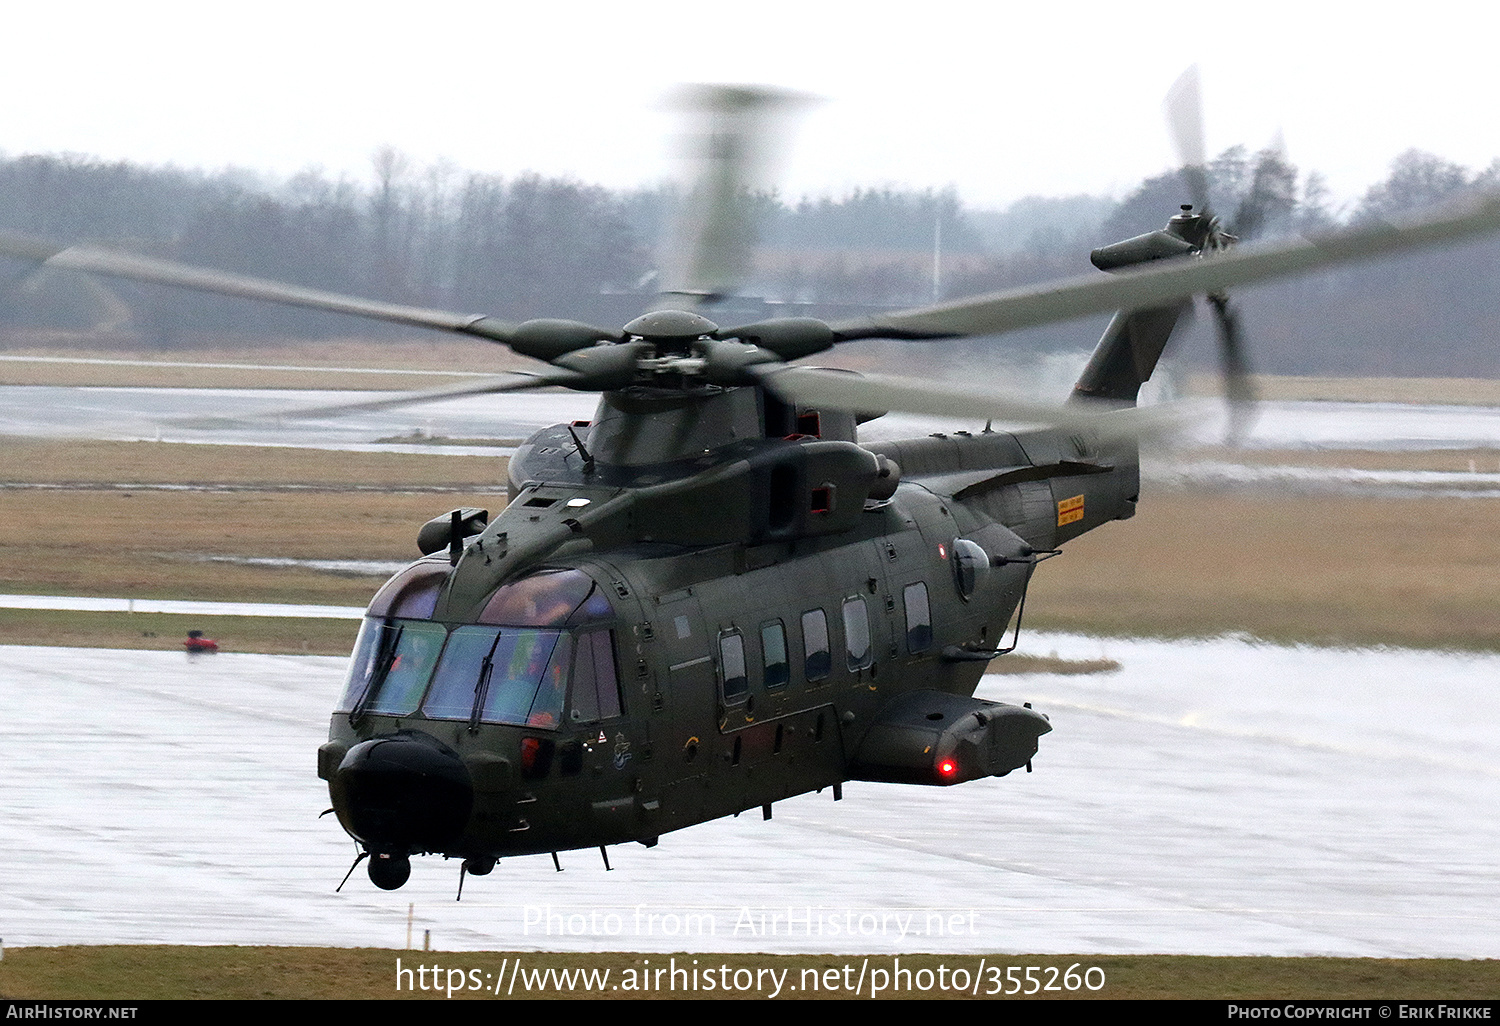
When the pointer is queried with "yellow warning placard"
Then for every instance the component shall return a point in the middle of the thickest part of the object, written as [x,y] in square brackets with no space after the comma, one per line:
[1069,510]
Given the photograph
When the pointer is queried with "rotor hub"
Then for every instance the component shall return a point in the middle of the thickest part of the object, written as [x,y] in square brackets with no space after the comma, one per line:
[670,326]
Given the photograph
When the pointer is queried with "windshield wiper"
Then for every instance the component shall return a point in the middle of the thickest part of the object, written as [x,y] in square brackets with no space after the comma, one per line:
[382,669]
[482,685]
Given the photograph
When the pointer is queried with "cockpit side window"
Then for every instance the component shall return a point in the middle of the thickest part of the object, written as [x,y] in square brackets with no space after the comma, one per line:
[547,708]
[596,685]
[362,663]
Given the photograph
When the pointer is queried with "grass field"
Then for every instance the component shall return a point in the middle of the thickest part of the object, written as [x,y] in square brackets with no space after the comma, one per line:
[41,461]
[149,542]
[446,360]
[160,631]
[154,542]
[157,544]
[147,973]
[1327,570]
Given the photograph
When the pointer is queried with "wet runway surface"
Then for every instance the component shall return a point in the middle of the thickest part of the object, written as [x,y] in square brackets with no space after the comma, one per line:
[149,413]
[1215,797]
[1223,475]
[167,414]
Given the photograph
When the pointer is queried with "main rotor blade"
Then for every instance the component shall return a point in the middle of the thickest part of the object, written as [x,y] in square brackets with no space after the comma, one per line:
[731,140]
[517,382]
[1171,280]
[841,390]
[823,386]
[225,283]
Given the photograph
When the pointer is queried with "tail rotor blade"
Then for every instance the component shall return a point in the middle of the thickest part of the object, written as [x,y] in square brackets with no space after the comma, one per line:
[1184,110]
[1239,390]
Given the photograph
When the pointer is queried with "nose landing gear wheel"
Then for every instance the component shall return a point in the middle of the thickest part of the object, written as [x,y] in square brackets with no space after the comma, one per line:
[388,872]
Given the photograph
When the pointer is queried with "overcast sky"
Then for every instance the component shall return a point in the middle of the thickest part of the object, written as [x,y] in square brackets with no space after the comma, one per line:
[994,101]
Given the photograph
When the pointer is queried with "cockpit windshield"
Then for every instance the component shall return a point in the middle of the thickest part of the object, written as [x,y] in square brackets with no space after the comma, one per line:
[511,676]
[391,663]
[515,671]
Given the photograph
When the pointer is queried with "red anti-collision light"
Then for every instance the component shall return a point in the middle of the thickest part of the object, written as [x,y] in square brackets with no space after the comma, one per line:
[947,767]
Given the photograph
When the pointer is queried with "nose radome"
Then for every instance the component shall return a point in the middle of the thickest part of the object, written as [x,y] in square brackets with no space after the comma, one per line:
[403,794]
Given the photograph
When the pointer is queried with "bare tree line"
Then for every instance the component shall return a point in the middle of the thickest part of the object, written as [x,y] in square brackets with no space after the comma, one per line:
[534,246]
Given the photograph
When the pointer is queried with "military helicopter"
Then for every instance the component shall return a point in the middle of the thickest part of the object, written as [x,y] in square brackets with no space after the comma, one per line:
[711,597]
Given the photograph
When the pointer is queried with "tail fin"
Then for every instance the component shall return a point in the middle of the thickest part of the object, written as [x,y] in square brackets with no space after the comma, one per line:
[1127,354]
[1133,343]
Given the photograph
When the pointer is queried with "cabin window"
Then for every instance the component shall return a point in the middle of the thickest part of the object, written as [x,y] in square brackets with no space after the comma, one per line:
[918,618]
[773,651]
[817,660]
[857,634]
[391,663]
[736,684]
[596,685]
